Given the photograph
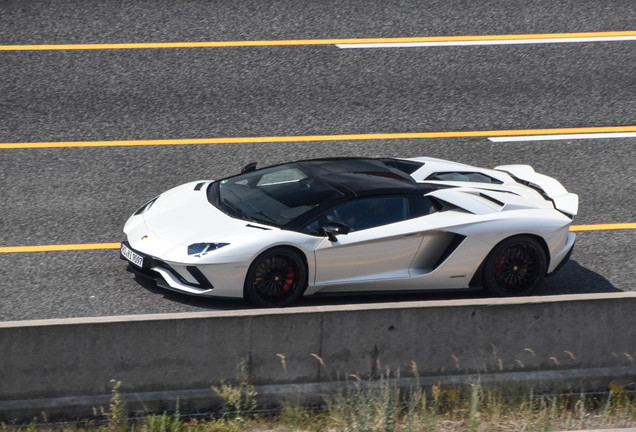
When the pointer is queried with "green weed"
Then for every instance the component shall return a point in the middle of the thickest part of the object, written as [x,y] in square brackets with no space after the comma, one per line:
[162,423]
[118,414]
[238,401]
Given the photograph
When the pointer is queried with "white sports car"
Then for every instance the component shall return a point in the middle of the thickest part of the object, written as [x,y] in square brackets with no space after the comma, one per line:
[311,227]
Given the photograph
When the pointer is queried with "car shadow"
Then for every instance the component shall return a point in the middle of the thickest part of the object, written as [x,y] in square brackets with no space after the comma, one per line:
[571,279]
[194,301]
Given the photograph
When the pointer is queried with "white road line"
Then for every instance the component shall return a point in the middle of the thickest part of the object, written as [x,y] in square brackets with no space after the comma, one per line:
[487,42]
[562,137]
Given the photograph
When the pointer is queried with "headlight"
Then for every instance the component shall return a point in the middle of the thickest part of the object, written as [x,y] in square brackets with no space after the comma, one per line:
[146,207]
[203,248]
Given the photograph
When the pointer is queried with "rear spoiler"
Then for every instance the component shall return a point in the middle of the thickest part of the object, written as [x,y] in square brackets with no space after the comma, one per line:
[550,188]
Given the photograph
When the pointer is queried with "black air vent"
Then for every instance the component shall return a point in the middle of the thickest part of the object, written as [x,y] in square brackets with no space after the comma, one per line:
[491,199]
[196,273]
[256,226]
[452,246]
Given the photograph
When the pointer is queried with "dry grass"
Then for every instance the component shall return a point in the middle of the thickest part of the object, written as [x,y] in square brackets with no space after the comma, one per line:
[385,409]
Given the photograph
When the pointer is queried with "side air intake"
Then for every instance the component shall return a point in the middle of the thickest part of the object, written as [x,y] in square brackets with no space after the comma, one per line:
[452,246]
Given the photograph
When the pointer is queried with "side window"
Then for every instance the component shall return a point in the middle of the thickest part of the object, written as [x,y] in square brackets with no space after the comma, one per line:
[363,214]
[420,206]
[463,177]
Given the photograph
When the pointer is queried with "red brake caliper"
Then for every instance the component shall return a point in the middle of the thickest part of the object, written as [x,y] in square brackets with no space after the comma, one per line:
[499,264]
[289,281]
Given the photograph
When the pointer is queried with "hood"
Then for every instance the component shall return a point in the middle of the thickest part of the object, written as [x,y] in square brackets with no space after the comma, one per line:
[183,216]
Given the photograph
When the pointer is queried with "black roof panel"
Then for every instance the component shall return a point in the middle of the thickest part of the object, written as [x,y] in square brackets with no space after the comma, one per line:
[360,176]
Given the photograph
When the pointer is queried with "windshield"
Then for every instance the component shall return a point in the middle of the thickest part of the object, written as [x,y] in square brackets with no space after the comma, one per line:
[272,196]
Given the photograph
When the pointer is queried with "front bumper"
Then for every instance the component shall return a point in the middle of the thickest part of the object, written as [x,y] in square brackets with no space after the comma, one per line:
[167,277]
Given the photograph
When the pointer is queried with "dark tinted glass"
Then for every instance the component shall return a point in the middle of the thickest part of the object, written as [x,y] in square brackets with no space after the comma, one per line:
[420,206]
[273,195]
[463,177]
[363,214]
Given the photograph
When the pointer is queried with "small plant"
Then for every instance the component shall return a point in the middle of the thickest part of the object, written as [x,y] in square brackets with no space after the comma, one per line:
[162,423]
[117,415]
[295,416]
[353,410]
[618,397]
[238,402]
[474,407]
[444,399]
[33,425]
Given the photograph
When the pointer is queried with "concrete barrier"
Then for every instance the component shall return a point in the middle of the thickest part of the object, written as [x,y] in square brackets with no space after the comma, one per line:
[65,367]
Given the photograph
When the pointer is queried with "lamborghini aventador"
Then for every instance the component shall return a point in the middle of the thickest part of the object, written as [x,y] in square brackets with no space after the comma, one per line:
[312,227]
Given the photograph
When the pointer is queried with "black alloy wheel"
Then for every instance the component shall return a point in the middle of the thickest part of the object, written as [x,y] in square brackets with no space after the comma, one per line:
[276,278]
[515,267]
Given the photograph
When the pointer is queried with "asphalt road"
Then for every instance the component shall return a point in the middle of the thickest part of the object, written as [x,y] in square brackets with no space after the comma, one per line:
[84,195]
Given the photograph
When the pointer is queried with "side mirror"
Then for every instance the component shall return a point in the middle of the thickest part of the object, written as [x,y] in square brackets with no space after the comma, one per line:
[249,168]
[333,228]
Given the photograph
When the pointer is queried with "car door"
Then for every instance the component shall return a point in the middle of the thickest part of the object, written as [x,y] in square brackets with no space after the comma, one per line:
[381,244]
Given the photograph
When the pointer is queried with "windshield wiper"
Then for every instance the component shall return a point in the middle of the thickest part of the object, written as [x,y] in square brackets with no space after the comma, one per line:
[238,210]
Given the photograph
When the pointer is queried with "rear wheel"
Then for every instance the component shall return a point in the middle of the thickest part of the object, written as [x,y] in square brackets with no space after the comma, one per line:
[276,278]
[515,267]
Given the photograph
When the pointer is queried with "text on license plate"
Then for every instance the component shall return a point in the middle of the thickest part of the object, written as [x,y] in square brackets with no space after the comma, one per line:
[134,258]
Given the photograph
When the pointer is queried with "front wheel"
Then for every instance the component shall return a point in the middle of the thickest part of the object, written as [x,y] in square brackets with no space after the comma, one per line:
[276,278]
[515,267]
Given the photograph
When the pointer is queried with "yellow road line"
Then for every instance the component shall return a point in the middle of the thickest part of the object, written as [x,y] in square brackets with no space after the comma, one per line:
[310,138]
[102,246]
[58,248]
[292,42]
[603,227]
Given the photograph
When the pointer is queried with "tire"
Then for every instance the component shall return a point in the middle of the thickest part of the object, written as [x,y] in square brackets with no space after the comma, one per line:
[515,267]
[276,278]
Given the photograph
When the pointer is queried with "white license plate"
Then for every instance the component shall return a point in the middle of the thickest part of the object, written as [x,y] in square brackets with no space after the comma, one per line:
[134,258]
